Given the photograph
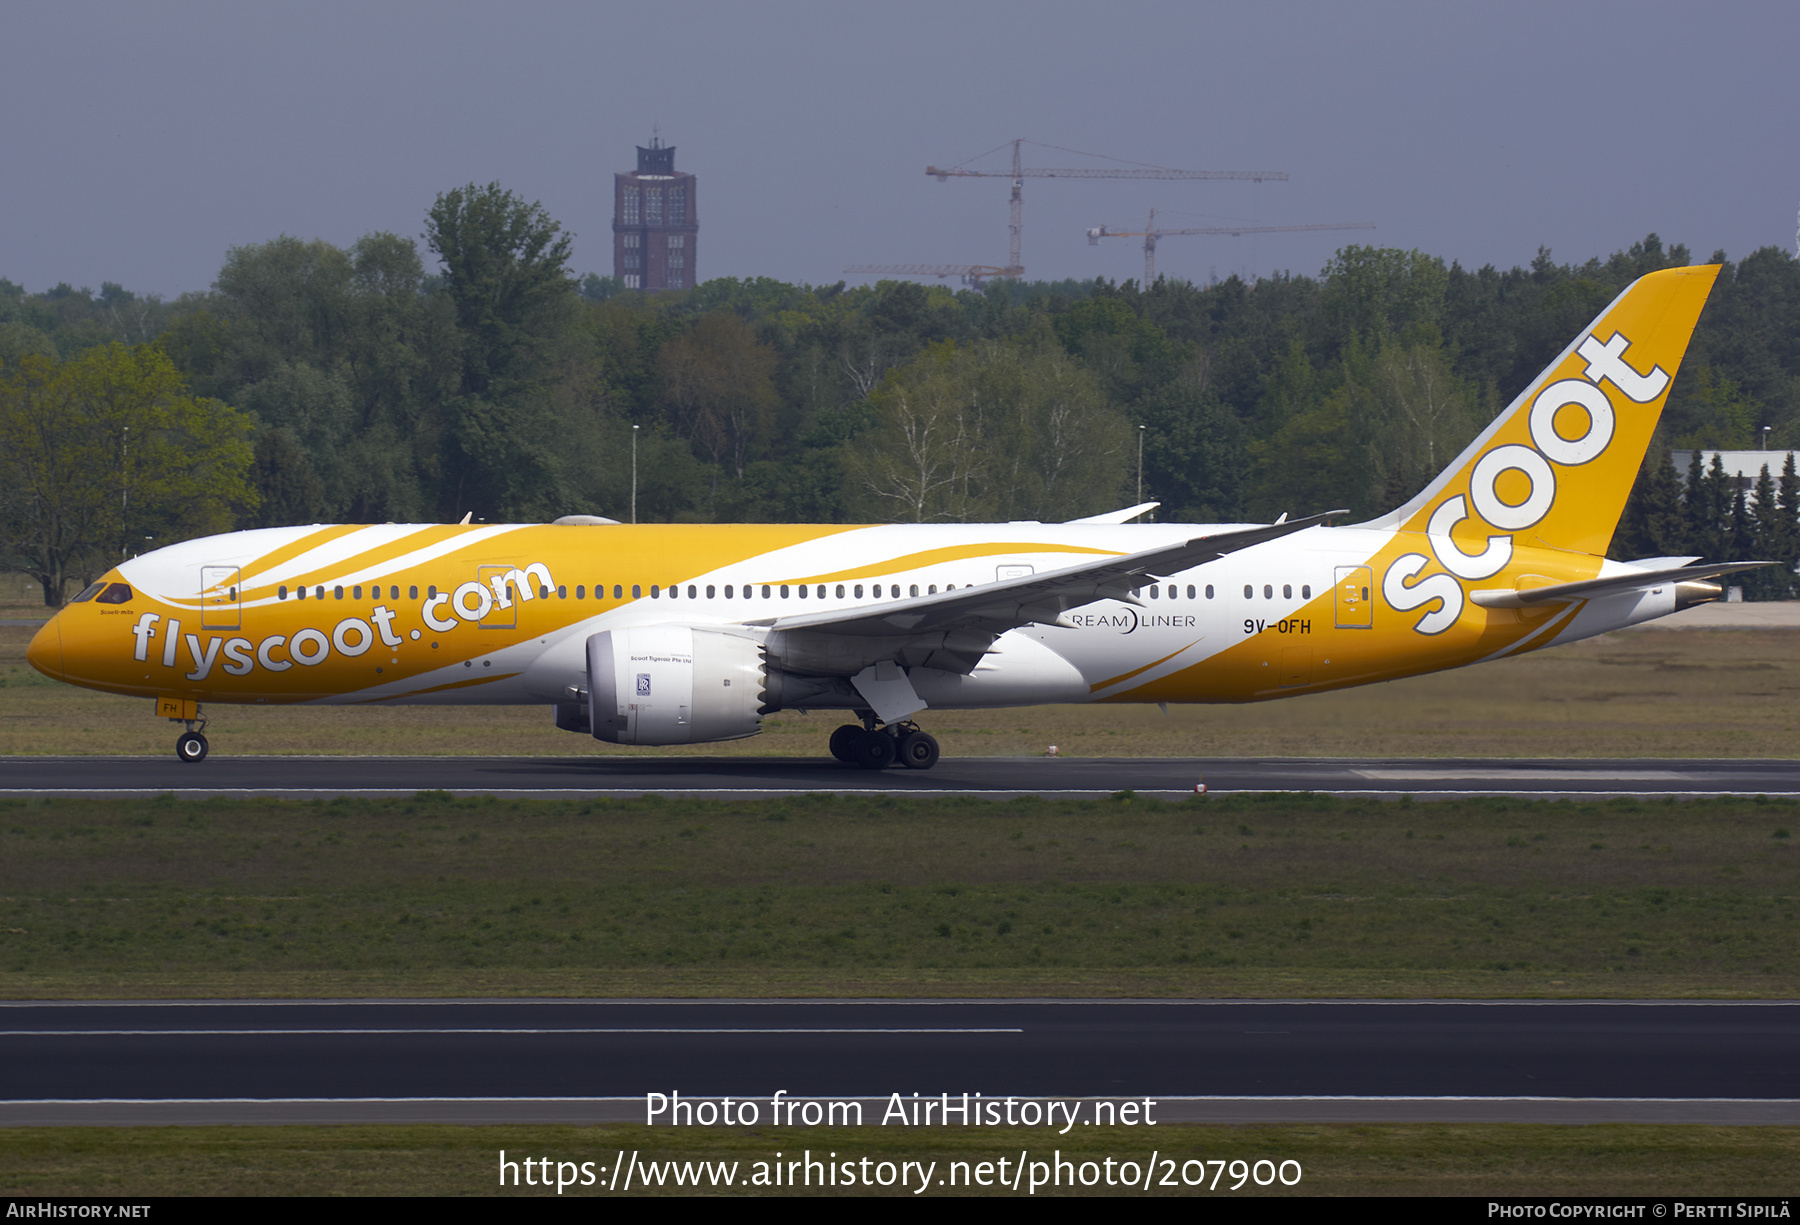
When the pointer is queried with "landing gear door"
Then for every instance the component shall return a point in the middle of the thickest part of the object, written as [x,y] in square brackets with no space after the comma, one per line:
[220,605]
[1355,610]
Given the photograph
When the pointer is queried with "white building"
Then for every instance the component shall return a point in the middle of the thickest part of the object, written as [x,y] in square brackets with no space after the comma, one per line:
[1746,466]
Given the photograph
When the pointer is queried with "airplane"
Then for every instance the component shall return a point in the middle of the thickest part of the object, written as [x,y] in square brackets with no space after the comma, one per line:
[684,634]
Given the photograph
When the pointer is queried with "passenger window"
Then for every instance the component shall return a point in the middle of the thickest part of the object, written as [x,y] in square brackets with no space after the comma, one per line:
[581,591]
[654,591]
[300,593]
[709,591]
[1248,591]
[857,591]
[674,592]
[1268,591]
[766,591]
[840,591]
[1287,591]
[784,591]
[431,592]
[1306,592]
[319,592]
[1191,591]
[356,592]
[116,593]
[1153,591]
[914,589]
[562,593]
[1209,594]
[543,592]
[281,592]
[931,590]
[412,593]
[92,590]
[803,590]
[393,593]
[619,592]
[337,593]
[637,591]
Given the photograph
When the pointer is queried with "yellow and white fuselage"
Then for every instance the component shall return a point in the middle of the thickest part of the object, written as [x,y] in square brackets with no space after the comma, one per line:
[640,633]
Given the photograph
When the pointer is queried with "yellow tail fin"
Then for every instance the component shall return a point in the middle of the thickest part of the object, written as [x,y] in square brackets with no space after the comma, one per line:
[1555,468]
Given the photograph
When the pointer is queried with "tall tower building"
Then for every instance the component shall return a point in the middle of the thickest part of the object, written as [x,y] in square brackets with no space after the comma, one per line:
[655,225]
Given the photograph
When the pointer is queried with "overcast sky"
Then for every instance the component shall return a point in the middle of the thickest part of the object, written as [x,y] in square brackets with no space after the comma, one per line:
[143,141]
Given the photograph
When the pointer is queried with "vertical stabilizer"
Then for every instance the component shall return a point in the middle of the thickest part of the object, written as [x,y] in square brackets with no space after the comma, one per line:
[1555,468]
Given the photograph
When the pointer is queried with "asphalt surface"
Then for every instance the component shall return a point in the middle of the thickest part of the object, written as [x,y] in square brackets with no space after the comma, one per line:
[596,1060]
[752,777]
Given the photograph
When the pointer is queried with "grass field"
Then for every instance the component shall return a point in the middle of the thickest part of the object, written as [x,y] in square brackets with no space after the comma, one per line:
[1335,1159]
[1640,693]
[1277,896]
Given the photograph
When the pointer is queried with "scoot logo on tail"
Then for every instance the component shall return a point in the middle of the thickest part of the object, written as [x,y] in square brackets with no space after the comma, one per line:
[1537,463]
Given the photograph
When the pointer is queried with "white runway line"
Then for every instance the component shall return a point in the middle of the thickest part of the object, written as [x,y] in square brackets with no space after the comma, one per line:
[346,1033]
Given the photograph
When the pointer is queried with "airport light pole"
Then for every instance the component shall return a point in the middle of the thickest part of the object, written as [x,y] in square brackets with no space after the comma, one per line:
[1140,497]
[1765,432]
[634,434]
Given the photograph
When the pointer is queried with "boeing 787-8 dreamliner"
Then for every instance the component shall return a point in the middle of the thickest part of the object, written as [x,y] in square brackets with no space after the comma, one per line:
[683,634]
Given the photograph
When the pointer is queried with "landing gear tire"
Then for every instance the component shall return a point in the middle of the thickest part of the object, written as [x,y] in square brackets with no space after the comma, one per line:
[872,750]
[918,751]
[191,746]
[843,743]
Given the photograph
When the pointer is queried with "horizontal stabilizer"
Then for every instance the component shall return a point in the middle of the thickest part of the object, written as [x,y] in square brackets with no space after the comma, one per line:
[1609,586]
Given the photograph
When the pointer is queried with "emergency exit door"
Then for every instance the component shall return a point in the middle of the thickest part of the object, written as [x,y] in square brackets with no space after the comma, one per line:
[1355,610]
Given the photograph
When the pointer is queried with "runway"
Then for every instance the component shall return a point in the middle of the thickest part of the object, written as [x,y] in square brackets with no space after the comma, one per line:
[998,777]
[594,1061]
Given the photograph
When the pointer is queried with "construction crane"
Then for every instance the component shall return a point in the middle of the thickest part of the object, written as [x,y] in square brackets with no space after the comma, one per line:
[1150,234]
[972,274]
[1019,172]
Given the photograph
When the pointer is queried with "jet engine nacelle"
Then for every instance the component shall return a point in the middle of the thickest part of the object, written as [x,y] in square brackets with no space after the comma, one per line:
[673,684]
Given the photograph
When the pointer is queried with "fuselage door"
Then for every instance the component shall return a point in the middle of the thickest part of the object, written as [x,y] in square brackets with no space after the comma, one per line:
[1355,610]
[220,605]
[503,613]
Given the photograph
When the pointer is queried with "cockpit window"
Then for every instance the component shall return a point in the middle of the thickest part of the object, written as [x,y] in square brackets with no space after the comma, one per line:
[116,593]
[93,589]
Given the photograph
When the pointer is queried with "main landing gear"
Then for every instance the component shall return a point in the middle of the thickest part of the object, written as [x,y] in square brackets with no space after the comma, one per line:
[874,747]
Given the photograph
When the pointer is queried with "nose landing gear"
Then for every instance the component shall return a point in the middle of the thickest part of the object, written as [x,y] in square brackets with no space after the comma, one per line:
[191,745]
[875,747]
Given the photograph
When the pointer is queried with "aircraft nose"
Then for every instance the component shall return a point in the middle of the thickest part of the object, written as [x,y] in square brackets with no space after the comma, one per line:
[45,650]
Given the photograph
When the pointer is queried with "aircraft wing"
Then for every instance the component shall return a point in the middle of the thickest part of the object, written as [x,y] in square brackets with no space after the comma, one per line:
[954,629]
[1610,585]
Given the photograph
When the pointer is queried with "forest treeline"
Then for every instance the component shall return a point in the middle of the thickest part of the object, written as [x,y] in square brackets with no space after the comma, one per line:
[476,374]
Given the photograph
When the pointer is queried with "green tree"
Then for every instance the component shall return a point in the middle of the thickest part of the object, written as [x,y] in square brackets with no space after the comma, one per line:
[506,435]
[100,452]
[506,270]
[1652,525]
[1371,292]
[989,431]
[718,382]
